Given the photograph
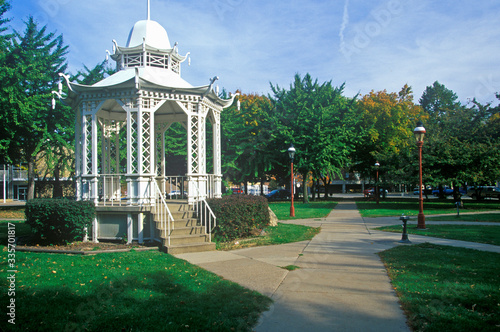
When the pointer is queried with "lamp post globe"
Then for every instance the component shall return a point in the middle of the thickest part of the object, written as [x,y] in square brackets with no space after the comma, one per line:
[419,133]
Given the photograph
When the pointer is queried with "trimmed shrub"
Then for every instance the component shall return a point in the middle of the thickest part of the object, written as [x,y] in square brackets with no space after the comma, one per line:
[238,215]
[57,221]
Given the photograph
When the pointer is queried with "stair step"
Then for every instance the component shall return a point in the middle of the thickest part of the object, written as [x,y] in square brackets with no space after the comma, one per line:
[199,230]
[183,232]
[186,232]
[180,223]
[185,239]
[176,249]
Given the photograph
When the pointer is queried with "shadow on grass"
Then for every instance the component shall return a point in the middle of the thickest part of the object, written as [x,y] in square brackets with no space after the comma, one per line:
[171,297]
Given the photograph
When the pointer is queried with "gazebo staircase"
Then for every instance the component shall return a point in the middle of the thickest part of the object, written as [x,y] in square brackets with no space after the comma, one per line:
[187,234]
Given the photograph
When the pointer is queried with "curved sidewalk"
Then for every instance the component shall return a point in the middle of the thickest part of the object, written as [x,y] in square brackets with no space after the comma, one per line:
[341,284]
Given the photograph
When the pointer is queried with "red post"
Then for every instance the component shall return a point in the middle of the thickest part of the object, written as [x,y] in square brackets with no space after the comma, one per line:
[292,208]
[421,216]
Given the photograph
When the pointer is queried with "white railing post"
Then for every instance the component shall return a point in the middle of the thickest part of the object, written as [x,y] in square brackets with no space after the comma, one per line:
[161,209]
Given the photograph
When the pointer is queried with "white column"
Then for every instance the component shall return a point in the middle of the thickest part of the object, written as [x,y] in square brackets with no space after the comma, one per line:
[217,156]
[78,153]
[95,230]
[189,173]
[130,228]
[140,227]
[94,183]
[131,184]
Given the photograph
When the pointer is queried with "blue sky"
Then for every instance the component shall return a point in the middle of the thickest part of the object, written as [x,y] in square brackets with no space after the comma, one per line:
[369,45]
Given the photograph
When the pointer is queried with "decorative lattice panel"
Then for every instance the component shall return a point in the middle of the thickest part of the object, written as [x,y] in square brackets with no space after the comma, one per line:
[133,142]
[133,60]
[146,142]
[157,60]
[176,67]
[195,144]
[150,102]
[87,146]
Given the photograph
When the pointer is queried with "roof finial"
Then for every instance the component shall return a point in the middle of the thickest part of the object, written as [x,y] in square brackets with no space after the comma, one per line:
[149,11]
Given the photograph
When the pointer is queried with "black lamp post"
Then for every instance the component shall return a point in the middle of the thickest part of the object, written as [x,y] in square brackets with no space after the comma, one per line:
[291,154]
[377,165]
[419,133]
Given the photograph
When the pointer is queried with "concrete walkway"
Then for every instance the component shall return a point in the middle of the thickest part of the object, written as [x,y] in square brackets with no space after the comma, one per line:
[341,284]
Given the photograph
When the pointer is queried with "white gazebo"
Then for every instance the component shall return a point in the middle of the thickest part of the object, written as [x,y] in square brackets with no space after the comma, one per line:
[132,111]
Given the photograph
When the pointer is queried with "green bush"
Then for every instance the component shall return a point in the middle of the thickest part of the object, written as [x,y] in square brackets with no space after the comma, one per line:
[57,221]
[238,215]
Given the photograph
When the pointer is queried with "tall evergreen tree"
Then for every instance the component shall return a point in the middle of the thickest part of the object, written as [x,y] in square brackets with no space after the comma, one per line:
[4,100]
[32,64]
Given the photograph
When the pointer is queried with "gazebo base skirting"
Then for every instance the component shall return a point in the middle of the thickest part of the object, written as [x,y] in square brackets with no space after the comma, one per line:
[182,227]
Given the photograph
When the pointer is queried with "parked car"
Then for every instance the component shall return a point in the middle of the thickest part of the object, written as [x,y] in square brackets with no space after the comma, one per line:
[371,190]
[176,194]
[237,191]
[482,192]
[427,191]
[278,195]
[446,191]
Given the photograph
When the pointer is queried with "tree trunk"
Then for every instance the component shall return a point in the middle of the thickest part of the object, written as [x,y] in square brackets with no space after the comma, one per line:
[57,190]
[314,190]
[305,197]
[31,178]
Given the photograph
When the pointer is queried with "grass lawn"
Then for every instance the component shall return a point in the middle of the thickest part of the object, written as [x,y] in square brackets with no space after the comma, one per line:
[302,211]
[283,233]
[471,233]
[12,212]
[446,288]
[410,207]
[482,217]
[133,291]
[21,229]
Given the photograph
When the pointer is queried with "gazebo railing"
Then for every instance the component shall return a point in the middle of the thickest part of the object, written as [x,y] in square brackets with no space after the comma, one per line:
[205,214]
[110,189]
[161,211]
[177,186]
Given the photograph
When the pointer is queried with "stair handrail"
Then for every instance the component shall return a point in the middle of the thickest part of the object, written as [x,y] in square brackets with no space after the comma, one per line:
[161,209]
[202,202]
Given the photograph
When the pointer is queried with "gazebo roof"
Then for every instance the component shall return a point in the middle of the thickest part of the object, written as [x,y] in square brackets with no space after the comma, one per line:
[149,78]
[152,72]
[150,32]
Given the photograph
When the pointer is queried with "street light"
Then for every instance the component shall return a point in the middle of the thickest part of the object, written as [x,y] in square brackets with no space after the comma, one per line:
[419,133]
[377,165]
[291,154]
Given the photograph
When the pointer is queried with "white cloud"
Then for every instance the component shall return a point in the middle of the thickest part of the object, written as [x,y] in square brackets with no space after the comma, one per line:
[368,45]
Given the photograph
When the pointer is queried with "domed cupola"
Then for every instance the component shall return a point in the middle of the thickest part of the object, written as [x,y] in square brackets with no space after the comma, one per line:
[149,32]
[148,46]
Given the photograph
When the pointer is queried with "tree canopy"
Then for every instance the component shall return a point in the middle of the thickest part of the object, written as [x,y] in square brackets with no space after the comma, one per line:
[34,59]
[319,121]
[332,133]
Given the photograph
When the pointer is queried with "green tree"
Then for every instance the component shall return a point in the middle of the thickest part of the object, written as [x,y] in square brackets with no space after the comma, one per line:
[246,156]
[32,64]
[91,76]
[462,143]
[5,135]
[320,122]
[386,125]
